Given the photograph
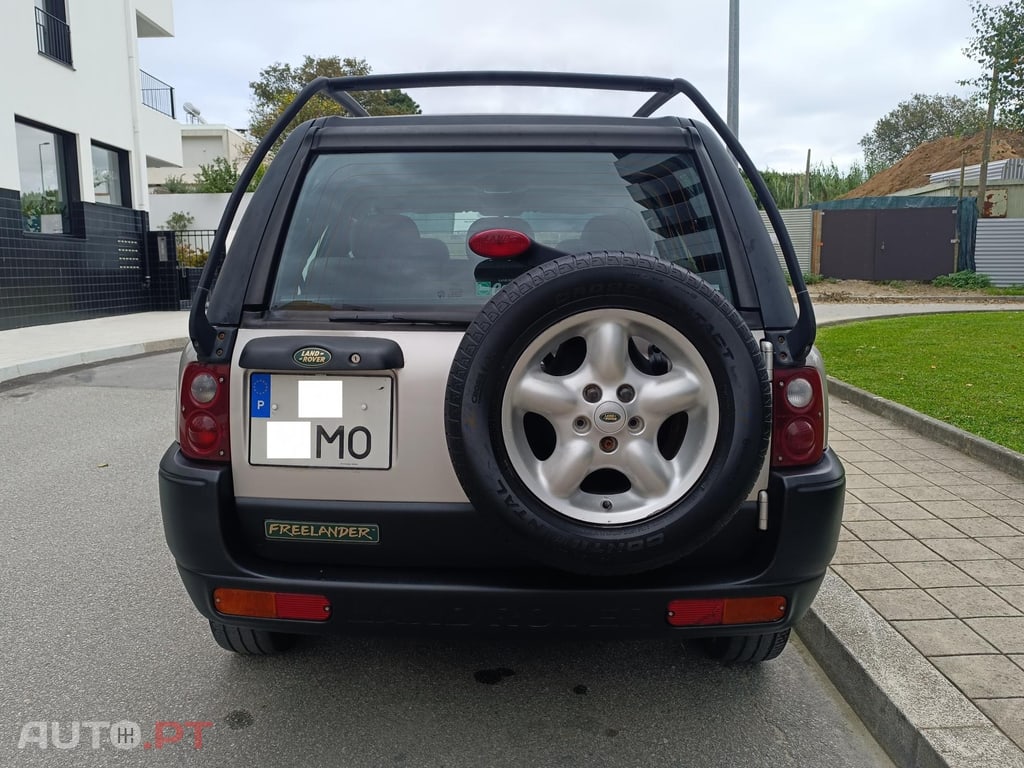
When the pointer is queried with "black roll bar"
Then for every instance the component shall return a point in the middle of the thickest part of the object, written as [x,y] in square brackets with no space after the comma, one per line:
[204,336]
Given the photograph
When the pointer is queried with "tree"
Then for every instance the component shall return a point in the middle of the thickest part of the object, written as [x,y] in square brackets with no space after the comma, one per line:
[279,83]
[998,46]
[919,119]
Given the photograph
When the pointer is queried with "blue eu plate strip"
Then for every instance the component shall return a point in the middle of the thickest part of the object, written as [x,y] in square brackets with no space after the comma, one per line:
[259,396]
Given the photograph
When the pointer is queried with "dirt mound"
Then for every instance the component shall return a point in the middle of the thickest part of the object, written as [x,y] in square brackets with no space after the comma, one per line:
[939,155]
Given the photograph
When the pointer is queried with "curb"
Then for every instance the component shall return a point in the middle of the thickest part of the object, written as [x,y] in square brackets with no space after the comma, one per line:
[13,373]
[1010,462]
[918,716]
[916,299]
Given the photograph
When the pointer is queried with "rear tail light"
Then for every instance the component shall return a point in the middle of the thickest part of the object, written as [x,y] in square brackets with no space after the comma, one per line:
[726,610]
[798,426]
[203,415]
[271,605]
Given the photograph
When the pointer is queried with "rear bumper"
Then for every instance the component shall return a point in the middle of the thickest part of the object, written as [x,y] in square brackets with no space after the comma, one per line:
[203,532]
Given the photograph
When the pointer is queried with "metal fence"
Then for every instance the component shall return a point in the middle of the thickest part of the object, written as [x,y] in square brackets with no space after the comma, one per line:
[156,94]
[192,249]
[53,36]
[999,250]
[800,224]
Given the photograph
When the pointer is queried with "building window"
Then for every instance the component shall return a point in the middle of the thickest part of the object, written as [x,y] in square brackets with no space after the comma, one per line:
[49,172]
[110,180]
[53,35]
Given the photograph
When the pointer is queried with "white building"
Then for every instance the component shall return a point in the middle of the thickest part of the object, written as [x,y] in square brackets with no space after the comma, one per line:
[78,119]
[79,124]
[201,144]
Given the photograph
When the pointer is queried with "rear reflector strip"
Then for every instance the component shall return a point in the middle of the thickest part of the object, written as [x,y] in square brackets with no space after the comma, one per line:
[730,610]
[271,605]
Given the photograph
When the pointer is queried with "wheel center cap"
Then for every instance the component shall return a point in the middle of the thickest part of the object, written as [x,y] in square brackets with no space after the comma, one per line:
[609,417]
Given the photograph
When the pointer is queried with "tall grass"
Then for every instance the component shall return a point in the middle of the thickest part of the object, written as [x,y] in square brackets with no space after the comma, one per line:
[827,182]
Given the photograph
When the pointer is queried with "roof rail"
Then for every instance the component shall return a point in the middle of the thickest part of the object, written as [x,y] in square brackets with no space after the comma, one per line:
[798,340]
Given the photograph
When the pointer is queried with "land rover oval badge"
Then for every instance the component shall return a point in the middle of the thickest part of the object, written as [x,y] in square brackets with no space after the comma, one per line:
[312,357]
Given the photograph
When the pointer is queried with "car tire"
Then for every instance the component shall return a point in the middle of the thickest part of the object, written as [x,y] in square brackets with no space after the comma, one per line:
[613,301]
[746,649]
[250,642]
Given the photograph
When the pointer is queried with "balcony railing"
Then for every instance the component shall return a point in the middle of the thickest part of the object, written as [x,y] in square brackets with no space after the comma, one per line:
[53,36]
[156,94]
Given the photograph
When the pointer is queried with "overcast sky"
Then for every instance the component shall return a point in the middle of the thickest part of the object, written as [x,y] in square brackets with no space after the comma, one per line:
[813,74]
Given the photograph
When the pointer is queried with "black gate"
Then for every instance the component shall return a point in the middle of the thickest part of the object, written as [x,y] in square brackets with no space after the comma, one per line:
[888,244]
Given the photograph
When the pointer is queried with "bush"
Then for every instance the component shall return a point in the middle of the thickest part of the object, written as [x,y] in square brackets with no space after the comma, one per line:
[964,279]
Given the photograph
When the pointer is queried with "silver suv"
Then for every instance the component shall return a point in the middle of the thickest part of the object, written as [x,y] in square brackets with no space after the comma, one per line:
[502,373]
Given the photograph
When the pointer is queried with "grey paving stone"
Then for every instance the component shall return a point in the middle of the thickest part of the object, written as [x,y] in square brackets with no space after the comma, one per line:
[993,573]
[860,454]
[968,747]
[973,602]
[927,493]
[1016,522]
[881,443]
[930,529]
[1003,507]
[937,574]
[899,433]
[984,676]
[854,511]
[951,510]
[1013,595]
[961,549]
[904,551]
[873,576]
[1008,714]
[949,479]
[872,495]
[904,604]
[925,465]
[900,453]
[990,477]
[977,493]
[899,480]
[877,468]
[855,552]
[964,463]
[876,530]
[1007,546]
[845,535]
[943,637]
[976,527]
[1018,659]
[1014,491]
[862,481]
[1005,633]
[901,510]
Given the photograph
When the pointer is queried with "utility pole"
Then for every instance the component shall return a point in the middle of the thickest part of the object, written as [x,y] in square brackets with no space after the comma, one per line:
[986,145]
[732,111]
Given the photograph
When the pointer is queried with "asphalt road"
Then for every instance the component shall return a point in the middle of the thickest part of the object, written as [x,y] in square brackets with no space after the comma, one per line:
[95,627]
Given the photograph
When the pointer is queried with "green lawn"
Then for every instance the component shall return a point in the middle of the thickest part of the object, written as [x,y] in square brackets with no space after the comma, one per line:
[964,369]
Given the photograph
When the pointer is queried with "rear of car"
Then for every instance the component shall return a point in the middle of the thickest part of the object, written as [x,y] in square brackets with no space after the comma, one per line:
[501,372]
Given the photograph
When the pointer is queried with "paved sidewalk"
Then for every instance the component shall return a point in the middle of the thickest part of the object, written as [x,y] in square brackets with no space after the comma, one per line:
[933,540]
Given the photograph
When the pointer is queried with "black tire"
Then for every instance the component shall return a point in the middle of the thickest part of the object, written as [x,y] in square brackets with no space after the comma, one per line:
[559,289]
[746,649]
[250,642]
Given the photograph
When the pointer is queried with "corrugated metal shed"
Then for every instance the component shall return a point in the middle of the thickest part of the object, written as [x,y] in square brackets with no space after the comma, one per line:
[799,223]
[999,250]
[1012,168]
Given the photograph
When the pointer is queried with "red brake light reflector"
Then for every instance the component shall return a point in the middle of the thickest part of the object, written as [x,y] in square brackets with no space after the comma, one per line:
[271,605]
[728,610]
[499,243]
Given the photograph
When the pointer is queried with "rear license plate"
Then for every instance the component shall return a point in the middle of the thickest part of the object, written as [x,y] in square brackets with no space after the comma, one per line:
[320,421]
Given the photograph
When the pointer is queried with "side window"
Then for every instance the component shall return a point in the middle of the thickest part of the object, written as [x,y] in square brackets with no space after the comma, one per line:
[47,167]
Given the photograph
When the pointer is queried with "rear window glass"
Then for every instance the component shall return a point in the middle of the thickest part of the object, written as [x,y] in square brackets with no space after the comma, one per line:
[386,230]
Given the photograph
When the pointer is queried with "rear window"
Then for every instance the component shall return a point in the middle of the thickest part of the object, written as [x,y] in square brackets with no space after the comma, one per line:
[388,230]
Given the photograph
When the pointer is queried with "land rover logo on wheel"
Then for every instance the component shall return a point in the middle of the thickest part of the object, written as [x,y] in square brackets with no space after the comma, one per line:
[609,417]
[312,357]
